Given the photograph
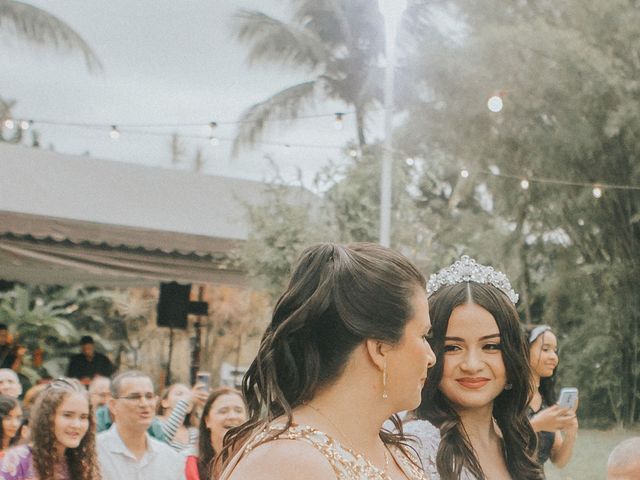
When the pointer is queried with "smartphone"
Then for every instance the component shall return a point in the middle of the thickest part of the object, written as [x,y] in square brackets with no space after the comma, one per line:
[204,379]
[568,397]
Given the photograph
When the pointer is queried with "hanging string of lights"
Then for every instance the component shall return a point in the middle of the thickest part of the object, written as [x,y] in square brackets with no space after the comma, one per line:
[115,131]
[597,188]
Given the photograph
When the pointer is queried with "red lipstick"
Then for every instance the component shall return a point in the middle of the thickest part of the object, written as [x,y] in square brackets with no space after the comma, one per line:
[473,383]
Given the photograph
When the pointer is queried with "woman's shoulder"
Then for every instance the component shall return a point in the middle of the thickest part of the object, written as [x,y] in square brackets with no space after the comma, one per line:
[17,463]
[425,438]
[423,430]
[283,458]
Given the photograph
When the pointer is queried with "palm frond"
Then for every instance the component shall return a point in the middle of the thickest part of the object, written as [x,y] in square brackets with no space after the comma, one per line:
[42,28]
[286,104]
[272,40]
[326,18]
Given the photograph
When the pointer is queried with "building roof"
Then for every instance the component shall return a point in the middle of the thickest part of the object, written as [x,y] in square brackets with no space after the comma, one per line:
[75,219]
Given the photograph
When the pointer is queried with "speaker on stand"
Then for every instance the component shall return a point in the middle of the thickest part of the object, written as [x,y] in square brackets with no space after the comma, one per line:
[173,308]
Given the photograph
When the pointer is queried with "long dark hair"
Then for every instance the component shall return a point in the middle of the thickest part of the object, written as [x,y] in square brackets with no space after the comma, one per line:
[6,405]
[547,386]
[82,460]
[206,452]
[455,451]
[338,296]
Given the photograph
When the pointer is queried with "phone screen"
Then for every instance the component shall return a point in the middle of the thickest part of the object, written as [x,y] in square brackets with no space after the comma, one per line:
[203,378]
[568,397]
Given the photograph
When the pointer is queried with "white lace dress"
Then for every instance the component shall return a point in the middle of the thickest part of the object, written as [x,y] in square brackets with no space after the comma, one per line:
[426,443]
[425,438]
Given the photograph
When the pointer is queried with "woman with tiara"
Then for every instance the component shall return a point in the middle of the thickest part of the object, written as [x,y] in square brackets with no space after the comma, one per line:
[346,348]
[472,423]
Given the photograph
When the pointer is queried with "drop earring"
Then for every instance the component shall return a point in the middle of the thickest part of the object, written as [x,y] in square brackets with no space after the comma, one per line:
[384,380]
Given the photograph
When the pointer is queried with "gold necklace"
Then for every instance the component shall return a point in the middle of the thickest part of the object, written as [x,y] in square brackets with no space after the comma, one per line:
[343,435]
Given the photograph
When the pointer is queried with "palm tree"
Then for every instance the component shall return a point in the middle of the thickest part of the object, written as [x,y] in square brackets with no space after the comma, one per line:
[41,28]
[337,42]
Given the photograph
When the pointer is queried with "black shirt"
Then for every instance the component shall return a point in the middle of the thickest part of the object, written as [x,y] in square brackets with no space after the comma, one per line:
[81,367]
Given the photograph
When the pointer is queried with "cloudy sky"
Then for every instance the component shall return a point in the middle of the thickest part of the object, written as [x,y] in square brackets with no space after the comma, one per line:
[165,62]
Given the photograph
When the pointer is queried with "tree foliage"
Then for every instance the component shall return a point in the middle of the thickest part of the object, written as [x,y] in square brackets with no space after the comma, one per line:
[567,73]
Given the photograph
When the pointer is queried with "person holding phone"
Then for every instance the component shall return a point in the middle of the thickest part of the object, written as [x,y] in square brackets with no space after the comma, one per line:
[175,413]
[556,424]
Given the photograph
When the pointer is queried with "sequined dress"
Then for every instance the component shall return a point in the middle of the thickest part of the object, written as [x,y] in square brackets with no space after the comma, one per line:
[346,464]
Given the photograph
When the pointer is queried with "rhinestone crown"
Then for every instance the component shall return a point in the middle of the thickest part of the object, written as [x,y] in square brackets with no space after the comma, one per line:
[468,270]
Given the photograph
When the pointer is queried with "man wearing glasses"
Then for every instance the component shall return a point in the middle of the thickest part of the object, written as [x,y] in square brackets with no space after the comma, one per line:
[126,450]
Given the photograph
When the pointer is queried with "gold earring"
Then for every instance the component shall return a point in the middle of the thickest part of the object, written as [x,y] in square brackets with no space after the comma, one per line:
[384,380]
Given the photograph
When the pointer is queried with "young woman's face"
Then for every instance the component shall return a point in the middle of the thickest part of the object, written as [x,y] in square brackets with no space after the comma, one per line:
[543,354]
[72,420]
[409,361]
[11,422]
[178,392]
[474,373]
[227,411]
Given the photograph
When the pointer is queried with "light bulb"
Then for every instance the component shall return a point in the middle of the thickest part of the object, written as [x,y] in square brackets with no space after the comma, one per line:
[114,133]
[495,104]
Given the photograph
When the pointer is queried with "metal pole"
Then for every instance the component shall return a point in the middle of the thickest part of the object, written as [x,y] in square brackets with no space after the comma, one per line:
[387,152]
[195,353]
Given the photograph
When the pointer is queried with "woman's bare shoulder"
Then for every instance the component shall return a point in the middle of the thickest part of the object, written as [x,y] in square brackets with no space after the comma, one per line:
[283,459]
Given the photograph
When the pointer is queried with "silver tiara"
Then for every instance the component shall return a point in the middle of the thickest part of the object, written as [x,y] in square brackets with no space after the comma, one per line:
[468,270]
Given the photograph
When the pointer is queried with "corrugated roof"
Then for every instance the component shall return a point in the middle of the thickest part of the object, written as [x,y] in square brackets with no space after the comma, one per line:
[58,211]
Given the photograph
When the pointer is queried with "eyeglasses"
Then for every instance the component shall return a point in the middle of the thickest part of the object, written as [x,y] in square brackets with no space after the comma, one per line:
[136,397]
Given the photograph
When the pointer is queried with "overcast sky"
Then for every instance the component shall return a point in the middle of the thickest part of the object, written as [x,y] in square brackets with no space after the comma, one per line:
[164,62]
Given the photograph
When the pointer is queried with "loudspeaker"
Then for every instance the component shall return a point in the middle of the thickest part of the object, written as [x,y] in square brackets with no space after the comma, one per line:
[173,305]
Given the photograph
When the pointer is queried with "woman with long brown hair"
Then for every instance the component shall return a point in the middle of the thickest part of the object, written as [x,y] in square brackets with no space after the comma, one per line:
[472,423]
[222,411]
[346,348]
[63,438]
[10,422]
[556,427]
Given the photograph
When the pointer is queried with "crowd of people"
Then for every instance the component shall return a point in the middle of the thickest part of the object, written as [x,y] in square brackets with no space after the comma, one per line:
[366,371]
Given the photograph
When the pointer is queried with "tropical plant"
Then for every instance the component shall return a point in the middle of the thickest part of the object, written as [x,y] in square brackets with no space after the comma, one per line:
[337,43]
[41,28]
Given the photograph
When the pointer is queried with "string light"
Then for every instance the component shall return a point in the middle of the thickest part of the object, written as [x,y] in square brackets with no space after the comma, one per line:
[464,173]
[581,222]
[213,140]
[494,170]
[524,183]
[114,133]
[353,152]
[495,104]
[26,124]
[9,123]
[597,192]
[338,122]
[410,161]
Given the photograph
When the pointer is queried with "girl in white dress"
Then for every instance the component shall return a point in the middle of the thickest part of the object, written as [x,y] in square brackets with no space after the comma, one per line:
[478,391]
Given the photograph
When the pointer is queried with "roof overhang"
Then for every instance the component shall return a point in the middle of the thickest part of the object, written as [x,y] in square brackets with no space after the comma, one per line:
[68,219]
